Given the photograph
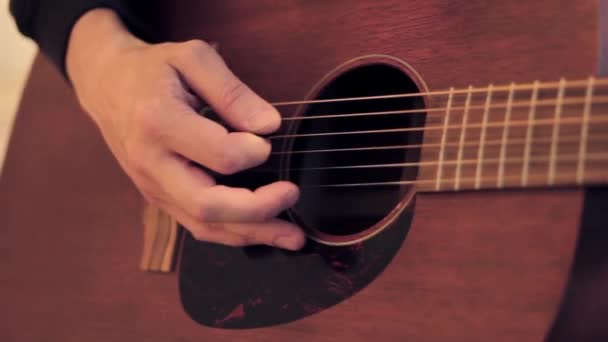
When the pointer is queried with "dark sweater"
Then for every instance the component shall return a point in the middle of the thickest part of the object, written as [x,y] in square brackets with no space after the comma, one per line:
[49,22]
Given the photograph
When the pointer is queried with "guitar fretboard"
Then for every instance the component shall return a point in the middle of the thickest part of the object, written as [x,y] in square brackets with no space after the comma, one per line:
[517,135]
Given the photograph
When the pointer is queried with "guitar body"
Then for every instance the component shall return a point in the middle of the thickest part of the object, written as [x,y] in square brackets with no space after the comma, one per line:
[512,265]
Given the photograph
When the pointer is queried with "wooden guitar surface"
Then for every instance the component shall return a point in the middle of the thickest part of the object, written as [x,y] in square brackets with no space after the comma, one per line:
[475,266]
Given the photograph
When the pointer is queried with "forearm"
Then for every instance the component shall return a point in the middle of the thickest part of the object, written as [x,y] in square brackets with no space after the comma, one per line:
[50,22]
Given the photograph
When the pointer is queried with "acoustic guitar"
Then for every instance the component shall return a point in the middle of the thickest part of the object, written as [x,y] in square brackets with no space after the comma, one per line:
[451,157]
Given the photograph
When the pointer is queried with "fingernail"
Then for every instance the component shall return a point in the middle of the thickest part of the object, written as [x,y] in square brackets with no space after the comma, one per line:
[291,242]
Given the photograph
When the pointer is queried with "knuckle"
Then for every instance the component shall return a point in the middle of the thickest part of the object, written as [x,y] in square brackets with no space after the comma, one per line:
[145,119]
[233,91]
[164,45]
[198,48]
[188,52]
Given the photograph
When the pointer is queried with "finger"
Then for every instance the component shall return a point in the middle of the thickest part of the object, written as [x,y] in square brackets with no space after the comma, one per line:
[207,74]
[194,192]
[224,204]
[208,143]
[275,232]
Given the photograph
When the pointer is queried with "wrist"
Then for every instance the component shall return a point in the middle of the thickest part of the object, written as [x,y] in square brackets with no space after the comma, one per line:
[97,38]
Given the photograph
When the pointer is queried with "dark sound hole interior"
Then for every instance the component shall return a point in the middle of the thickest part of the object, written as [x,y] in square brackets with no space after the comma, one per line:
[341,211]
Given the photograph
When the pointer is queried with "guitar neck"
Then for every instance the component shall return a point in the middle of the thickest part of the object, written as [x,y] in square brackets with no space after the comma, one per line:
[517,135]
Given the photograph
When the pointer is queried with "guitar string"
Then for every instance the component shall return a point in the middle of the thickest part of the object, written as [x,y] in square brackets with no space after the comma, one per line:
[471,143]
[510,88]
[501,88]
[570,120]
[440,110]
[542,180]
[562,158]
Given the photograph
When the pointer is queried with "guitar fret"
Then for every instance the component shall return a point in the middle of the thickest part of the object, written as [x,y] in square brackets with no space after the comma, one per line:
[482,138]
[446,121]
[505,136]
[462,138]
[551,135]
[582,152]
[528,146]
[555,135]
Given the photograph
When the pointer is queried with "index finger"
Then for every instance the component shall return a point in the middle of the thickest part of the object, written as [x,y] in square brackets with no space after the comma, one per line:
[207,74]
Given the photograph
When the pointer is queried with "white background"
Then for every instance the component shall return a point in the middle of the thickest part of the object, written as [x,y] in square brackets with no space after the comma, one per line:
[16,55]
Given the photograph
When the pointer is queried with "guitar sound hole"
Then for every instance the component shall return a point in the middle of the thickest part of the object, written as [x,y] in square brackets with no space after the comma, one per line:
[343,215]
[331,267]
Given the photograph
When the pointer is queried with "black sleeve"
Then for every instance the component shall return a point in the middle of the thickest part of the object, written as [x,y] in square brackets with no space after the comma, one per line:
[49,22]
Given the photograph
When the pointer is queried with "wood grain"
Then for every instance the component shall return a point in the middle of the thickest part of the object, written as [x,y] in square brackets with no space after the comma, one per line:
[476,266]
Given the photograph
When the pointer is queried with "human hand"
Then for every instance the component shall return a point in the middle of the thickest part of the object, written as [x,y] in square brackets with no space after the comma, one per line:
[144,98]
